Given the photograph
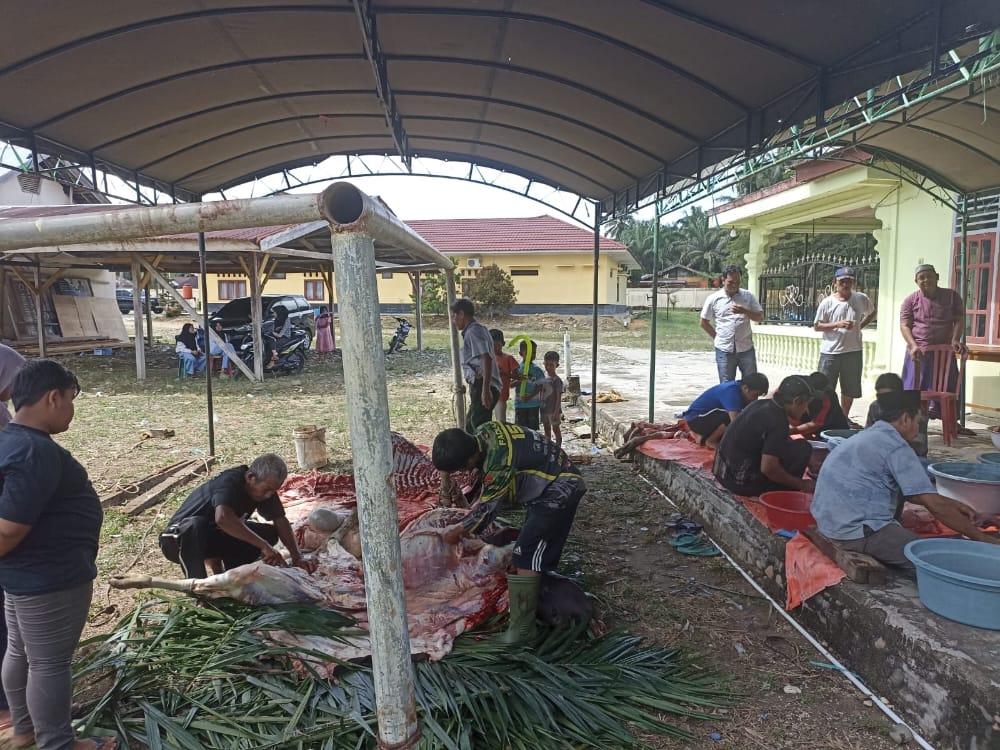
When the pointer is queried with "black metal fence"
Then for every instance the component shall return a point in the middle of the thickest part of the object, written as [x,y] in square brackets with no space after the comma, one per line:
[791,292]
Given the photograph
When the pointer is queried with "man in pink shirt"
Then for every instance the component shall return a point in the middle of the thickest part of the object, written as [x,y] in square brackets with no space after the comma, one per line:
[932,315]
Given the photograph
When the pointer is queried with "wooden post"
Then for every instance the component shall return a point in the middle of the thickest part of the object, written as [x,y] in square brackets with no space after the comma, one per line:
[328,281]
[256,318]
[39,321]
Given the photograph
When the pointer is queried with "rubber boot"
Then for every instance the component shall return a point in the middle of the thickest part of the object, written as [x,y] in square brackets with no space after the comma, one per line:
[523,594]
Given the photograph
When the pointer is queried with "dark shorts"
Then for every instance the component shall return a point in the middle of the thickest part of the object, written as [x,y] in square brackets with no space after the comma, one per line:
[194,540]
[547,525]
[526,417]
[708,423]
[885,545]
[843,368]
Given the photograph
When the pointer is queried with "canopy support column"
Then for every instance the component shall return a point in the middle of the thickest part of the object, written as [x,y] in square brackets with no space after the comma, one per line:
[39,320]
[653,320]
[203,285]
[371,445]
[328,281]
[962,281]
[593,340]
[140,343]
[456,359]
[256,317]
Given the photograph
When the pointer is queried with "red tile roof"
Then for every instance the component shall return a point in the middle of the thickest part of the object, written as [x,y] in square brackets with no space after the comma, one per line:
[537,233]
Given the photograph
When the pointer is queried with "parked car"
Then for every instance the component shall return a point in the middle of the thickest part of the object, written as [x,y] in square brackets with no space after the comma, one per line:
[124,298]
[235,315]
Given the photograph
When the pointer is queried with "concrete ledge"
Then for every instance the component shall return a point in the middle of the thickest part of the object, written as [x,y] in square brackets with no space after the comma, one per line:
[941,676]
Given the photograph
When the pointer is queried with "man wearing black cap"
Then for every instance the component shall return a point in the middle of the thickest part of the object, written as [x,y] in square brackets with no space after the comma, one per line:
[757,453]
[931,316]
[840,318]
[865,481]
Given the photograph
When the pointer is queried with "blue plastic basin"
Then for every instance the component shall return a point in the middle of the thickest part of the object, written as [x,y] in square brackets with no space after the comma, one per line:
[959,579]
[843,434]
[989,458]
[975,484]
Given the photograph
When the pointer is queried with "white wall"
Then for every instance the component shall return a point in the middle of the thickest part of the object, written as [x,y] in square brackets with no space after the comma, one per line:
[686,299]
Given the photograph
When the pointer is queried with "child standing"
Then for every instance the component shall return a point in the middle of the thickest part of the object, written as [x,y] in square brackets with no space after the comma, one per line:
[507,366]
[526,404]
[324,332]
[552,399]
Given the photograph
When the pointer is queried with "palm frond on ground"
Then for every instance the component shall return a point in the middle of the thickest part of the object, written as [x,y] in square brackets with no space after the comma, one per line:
[177,673]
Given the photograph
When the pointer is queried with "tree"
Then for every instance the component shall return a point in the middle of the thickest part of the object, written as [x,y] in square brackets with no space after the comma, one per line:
[434,294]
[638,237]
[702,245]
[493,290]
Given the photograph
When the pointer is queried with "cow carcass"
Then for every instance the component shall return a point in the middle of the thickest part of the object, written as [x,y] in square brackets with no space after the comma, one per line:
[448,587]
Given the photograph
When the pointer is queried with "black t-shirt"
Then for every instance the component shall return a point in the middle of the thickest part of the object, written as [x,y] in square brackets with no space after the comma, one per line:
[45,488]
[761,428]
[831,417]
[229,489]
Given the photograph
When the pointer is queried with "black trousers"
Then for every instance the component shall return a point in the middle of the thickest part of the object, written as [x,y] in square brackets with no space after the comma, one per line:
[479,414]
[547,525]
[708,423]
[794,457]
[196,539]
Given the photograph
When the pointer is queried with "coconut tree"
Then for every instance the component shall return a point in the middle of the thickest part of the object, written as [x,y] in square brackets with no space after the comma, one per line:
[701,245]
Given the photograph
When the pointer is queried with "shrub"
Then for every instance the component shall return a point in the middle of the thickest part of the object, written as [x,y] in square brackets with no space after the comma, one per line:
[493,290]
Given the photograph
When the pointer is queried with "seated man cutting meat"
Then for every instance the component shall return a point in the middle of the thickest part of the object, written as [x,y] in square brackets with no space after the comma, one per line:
[715,409]
[211,526]
[519,466]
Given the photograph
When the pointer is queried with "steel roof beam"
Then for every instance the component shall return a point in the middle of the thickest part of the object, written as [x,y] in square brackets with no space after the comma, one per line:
[368,22]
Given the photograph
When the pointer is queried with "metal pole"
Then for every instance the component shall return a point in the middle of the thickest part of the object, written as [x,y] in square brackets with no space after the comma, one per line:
[203,284]
[328,280]
[655,306]
[456,361]
[39,320]
[962,281]
[593,343]
[418,295]
[140,348]
[368,421]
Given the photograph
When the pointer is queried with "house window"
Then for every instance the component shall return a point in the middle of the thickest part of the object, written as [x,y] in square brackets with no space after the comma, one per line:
[279,275]
[982,289]
[387,274]
[524,272]
[232,289]
[315,290]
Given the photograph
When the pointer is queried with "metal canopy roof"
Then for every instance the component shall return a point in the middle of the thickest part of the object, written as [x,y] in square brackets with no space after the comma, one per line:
[590,96]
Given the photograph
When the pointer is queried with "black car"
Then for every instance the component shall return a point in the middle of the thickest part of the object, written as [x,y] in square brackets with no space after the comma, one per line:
[235,315]
[124,299]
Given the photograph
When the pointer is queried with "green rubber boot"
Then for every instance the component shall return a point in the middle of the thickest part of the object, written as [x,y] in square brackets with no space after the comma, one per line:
[523,593]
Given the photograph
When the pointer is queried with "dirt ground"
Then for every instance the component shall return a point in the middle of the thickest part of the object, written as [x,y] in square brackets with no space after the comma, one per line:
[619,543]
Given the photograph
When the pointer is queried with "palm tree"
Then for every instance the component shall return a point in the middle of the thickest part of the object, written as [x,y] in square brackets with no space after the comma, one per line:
[701,245]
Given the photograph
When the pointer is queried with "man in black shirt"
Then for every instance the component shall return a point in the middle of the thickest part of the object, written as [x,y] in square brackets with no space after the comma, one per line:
[757,453]
[211,527]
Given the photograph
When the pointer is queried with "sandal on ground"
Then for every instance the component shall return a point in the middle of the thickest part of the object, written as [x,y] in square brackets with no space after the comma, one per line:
[694,544]
[102,743]
[966,431]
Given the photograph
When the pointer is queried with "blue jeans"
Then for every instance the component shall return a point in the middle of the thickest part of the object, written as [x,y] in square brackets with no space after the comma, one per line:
[727,362]
[192,364]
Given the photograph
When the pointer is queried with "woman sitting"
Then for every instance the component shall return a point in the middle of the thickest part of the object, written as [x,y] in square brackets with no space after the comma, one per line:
[188,350]
[225,350]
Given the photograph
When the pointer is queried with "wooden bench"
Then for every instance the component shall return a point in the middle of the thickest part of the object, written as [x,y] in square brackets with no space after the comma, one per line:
[859,567]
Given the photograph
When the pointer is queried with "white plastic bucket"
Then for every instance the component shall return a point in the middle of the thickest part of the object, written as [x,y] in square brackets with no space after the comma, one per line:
[310,446]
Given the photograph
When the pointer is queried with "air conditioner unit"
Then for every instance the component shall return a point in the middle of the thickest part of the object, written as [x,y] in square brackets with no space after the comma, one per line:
[474,263]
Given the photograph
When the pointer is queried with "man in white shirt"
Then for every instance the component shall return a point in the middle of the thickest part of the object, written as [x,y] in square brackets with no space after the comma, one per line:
[732,309]
[840,318]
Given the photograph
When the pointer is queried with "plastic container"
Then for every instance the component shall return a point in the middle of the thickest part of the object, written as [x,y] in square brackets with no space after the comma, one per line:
[841,434]
[310,446]
[788,509]
[993,459]
[820,450]
[958,579]
[975,484]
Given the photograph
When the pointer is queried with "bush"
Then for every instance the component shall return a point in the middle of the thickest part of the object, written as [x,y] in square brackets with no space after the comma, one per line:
[434,297]
[493,290]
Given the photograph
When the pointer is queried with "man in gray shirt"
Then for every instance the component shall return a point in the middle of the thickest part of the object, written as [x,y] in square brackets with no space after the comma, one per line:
[477,364]
[731,309]
[865,481]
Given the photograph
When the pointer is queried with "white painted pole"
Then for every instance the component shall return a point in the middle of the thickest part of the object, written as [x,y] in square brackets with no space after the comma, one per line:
[256,318]
[418,295]
[140,343]
[567,364]
[371,446]
[456,360]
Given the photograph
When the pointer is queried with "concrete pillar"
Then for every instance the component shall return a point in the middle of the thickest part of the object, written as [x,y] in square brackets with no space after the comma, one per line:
[886,245]
[756,258]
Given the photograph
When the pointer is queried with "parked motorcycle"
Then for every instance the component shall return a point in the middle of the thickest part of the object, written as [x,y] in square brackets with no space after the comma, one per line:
[291,355]
[398,342]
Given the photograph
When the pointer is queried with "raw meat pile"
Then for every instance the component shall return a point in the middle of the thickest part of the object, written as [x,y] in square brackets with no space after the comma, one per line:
[449,587]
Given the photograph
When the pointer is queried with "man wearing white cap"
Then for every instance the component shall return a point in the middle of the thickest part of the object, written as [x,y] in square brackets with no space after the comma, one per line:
[932,315]
[840,318]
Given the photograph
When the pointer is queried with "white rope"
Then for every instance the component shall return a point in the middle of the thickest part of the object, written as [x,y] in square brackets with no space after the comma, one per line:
[892,715]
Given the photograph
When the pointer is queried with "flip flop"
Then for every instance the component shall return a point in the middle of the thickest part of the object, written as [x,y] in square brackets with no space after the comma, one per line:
[694,544]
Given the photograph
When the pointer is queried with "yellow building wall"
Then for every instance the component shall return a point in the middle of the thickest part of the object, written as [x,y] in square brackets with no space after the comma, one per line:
[563,279]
